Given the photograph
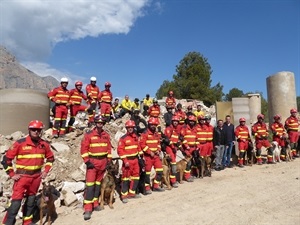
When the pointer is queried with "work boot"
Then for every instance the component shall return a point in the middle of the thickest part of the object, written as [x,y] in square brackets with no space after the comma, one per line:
[87,215]
[125,200]
[190,179]
[97,208]
[55,136]
[158,189]
[134,196]
[175,185]
[148,192]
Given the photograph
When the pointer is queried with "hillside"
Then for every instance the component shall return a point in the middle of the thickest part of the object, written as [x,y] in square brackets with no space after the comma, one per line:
[14,75]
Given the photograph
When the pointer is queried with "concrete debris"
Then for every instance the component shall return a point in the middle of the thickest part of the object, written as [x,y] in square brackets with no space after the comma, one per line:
[68,172]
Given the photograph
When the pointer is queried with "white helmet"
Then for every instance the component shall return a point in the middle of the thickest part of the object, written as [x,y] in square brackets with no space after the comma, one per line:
[93,78]
[64,79]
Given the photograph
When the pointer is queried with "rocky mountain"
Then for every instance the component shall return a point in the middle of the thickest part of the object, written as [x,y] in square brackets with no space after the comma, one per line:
[14,75]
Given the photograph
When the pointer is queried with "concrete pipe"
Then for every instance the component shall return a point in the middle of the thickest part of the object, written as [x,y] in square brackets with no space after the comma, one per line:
[254,106]
[19,107]
[281,94]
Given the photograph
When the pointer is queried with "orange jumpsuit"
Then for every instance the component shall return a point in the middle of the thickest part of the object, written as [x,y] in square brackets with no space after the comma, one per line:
[105,99]
[92,92]
[29,162]
[128,150]
[60,97]
[243,136]
[291,125]
[75,100]
[95,148]
[150,142]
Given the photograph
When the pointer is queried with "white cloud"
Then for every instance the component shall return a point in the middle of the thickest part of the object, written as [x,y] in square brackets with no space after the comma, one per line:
[33,27]
[44,69]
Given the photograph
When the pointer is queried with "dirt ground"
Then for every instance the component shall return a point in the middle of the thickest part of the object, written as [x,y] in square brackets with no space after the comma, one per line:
[267,194]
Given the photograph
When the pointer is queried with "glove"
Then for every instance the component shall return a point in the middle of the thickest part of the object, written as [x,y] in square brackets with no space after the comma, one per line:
[89,165]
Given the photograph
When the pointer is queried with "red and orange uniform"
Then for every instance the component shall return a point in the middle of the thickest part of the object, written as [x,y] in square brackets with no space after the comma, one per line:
[30,157]
[105,99]
[128,150]
[95,150]
[243,137]
[292,126]
[76,96]
[60,96]
[92,92]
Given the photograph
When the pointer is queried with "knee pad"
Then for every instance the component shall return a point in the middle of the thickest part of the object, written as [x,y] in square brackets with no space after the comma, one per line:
[159,175]
[258,152]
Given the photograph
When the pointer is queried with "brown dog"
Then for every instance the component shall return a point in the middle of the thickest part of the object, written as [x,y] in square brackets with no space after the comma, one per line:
[288,150]
[166,172]
[47,203]
[250,155]
[108,185]
[181,166]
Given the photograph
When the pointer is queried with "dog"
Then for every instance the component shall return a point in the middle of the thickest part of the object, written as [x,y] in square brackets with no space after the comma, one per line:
[166,171]
[181,166]
[47,203]
[288,152]
[108,185]
[141,185]
[250,160]
[276,151]
[198,163]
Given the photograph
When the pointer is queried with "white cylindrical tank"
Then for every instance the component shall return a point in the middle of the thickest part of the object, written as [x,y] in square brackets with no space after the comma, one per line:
[19,107]
[254,107]
[281,94]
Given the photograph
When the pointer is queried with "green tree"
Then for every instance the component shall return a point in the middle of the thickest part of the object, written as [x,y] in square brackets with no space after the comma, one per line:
[233,93]
[193,81]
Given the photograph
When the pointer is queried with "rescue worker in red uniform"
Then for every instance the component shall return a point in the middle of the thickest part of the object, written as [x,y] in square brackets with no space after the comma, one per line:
[181,114]
[172,133]
[105,99]
[92,92]
[279,135]
[30,153]
[202,130]
[150,144]
[170,100]
[154,110]
[243,138]
[291,125]
[189,144]
[210,135]
[129,150]
[96,153]
[260,132]
[60,96]
[76,96]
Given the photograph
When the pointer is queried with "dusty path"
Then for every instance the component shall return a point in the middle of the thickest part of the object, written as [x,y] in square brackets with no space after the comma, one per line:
[267,194]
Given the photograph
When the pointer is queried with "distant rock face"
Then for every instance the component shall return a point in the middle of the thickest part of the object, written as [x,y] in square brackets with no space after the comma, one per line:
[14,75]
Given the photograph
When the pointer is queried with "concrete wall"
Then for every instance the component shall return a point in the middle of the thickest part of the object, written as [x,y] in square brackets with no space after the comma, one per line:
[19,107]
[223,109]
[281,94]
[240,107]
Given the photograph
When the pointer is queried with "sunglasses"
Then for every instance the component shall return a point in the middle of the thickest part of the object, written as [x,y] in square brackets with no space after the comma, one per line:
[36,129]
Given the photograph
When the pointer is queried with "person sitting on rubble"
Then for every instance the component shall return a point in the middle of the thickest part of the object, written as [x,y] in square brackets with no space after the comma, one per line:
[135,105]
[125,106]
[115,109]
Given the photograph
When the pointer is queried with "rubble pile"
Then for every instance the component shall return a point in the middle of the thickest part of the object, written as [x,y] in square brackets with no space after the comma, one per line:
[68,172]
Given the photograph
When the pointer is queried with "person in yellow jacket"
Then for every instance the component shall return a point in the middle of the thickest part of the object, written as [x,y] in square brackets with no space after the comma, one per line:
[135,105]
[125,106]
[147,103]
[199,111]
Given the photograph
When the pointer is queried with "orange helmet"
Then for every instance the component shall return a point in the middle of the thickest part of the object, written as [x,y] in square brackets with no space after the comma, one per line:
[36,124]
[99,119]
[130,123]
[192,118]
[107,84]
[242,119]
[175,118]
[78,83]
[277,117]
[170,92]
[153,120]
[260,116]
[293,111]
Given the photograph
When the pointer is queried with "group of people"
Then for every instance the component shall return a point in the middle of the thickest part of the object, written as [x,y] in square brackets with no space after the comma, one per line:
[139,149]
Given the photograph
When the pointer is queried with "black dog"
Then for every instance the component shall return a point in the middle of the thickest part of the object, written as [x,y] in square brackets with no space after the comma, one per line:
[141,185]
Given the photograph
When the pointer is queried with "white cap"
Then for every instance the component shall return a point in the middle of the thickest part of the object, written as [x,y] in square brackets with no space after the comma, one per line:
[93,78]
[64,79]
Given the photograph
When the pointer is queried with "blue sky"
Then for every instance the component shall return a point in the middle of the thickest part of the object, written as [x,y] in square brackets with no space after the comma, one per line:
[136,45]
